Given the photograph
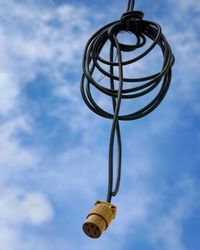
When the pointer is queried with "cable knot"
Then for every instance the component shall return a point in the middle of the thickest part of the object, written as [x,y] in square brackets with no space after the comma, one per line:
[131,21]
[136,15]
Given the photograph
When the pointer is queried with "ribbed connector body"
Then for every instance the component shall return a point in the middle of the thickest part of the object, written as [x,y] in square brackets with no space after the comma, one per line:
[99,219]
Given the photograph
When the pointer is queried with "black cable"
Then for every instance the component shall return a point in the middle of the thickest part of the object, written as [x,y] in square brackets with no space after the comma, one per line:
[131,21]
[130,5]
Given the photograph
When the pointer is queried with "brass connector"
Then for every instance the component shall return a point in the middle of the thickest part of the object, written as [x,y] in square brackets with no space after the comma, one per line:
[99,219]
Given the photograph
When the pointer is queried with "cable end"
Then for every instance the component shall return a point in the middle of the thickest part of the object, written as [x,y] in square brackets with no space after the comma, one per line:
[99,219]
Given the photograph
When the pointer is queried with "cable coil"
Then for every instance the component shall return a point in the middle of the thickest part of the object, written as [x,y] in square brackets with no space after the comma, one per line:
[93,62]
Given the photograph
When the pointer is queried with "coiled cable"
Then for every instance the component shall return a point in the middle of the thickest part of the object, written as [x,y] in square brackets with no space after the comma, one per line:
[132,22]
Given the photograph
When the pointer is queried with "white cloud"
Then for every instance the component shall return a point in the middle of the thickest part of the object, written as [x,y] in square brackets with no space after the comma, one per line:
[76,172]
[36,40]
[33,40]
[9,239]
[8,92]
[167,232]
[186,5]
[183,35]
[47,40]
[20,207]
[13,156]
[187,52]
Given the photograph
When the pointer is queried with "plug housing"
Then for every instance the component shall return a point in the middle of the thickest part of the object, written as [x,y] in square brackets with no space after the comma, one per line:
[99,219]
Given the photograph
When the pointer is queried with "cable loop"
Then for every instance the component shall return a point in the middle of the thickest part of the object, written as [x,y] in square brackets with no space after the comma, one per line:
[135,15]
[119,87]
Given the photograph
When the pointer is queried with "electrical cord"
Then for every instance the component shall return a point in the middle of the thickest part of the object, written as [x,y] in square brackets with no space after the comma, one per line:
[130,5]
[131,21]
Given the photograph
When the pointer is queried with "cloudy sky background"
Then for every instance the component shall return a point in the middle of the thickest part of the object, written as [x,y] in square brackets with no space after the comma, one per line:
[53,150]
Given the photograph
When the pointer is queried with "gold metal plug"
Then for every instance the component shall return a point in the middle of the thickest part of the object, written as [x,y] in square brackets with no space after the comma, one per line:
[99,219]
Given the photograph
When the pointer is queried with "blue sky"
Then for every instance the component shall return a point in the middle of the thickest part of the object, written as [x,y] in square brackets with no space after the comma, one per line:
[53,150]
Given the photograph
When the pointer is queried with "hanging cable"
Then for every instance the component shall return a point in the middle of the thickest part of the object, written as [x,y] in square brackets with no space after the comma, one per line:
[130,5]
[121,88]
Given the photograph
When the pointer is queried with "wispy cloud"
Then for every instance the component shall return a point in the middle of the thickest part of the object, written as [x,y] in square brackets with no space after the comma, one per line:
[29,208]
[42,182]
[19,208]
[34,40]
[168,230]
[13,156]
